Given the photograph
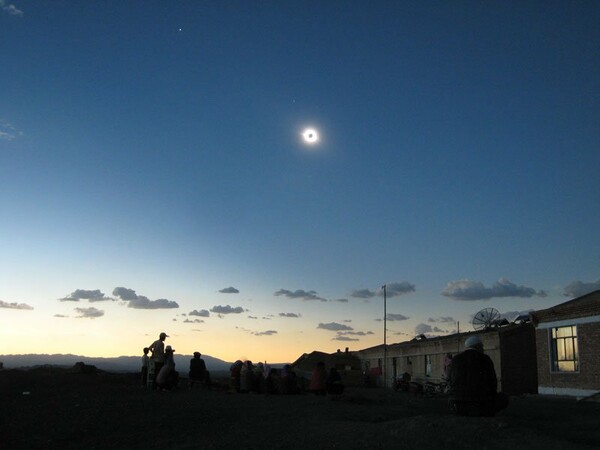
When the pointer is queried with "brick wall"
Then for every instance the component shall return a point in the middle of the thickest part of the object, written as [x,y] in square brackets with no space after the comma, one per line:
[588,376]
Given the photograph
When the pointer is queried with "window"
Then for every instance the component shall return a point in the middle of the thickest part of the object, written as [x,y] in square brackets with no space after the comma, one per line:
[427,365]
[564,352]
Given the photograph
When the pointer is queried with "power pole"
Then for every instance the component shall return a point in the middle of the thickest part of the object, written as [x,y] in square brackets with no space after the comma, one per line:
[384,336]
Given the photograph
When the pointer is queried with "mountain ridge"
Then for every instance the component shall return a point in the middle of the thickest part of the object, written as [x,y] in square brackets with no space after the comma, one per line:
[109,364]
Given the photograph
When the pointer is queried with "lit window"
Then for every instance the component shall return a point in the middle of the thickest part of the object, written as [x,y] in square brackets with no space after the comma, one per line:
[564,352]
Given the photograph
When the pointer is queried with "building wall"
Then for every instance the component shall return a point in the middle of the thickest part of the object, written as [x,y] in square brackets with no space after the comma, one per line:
[410,356]
[518,365]
[584,382]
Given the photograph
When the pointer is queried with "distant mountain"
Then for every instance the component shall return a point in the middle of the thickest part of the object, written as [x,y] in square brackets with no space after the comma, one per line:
[117,364]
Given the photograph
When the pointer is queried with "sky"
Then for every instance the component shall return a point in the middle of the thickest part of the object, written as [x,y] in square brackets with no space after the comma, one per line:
[154,176]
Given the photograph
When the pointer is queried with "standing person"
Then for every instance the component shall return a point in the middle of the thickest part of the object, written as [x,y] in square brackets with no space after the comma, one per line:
[158,352]
[318,379]
[145,361]
[473,382]
[167,378]
[447,363]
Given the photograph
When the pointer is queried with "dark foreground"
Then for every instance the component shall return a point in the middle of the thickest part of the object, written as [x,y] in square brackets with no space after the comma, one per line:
[98,411]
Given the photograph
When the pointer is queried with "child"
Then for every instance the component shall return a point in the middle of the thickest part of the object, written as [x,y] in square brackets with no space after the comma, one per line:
[145,360]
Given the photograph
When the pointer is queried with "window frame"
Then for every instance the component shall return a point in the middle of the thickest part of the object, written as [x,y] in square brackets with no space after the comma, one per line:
[553,351]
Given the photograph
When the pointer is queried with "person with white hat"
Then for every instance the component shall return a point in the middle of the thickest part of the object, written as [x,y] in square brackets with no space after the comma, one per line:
[473,383]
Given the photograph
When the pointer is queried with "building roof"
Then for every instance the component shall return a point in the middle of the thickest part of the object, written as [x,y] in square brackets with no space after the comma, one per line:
[584,306]
[340,360]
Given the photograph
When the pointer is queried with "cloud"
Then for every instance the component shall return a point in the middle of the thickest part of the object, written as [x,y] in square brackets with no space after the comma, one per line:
[300,293]
[341,300]
[83,294]
[10,9]
[193,321]
[396,317]
[396,289]
[446,319]
[579,288]
[354,333]
[347,321]
[253,317]
[218,309]
[334,326]
[392,290]
[22,306]
[124,293]
[292,315]
[229,290]
[475,290]
[62,316]
[8,132]
[264,333]
[142,302]
[201,313]
[423,328]
[362,293]
[88,313]
[344,338]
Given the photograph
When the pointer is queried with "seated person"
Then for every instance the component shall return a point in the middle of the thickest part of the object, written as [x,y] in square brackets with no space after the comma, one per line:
[198,372]
[473,384]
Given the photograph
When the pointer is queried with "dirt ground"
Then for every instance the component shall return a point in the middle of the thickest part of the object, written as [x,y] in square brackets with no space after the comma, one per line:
[54,408]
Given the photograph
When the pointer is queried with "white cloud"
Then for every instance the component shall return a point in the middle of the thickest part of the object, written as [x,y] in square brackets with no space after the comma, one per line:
[396,289]
[125,293]
[475,290]
[579,288]
[334,326]
[193,321]
[218,309]
[142,302]
[229,290]
[84,294]
[264,333]
[22,306]
[10,9]
[446,319]
[300,293]
[423,328]
[396,317]
[363,293]
[344,338]
[88,313]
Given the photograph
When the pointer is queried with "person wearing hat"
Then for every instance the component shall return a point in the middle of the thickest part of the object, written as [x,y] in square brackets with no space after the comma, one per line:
[198,372]
[168,377]
[158,352]
[473,383]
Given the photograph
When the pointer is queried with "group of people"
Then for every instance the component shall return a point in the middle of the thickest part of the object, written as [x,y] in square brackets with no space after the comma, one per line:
[158,370]
[471,377]
[263,379]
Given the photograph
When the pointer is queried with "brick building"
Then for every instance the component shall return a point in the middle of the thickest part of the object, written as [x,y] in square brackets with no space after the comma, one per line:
[568,347]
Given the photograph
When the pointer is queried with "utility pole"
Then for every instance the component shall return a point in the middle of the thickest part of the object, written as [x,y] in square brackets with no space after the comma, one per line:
[384,287]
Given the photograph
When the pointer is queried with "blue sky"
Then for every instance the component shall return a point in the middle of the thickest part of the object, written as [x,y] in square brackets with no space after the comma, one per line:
[156,147]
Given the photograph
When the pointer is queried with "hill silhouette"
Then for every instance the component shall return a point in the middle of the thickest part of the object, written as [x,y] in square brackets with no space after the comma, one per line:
[114,364]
